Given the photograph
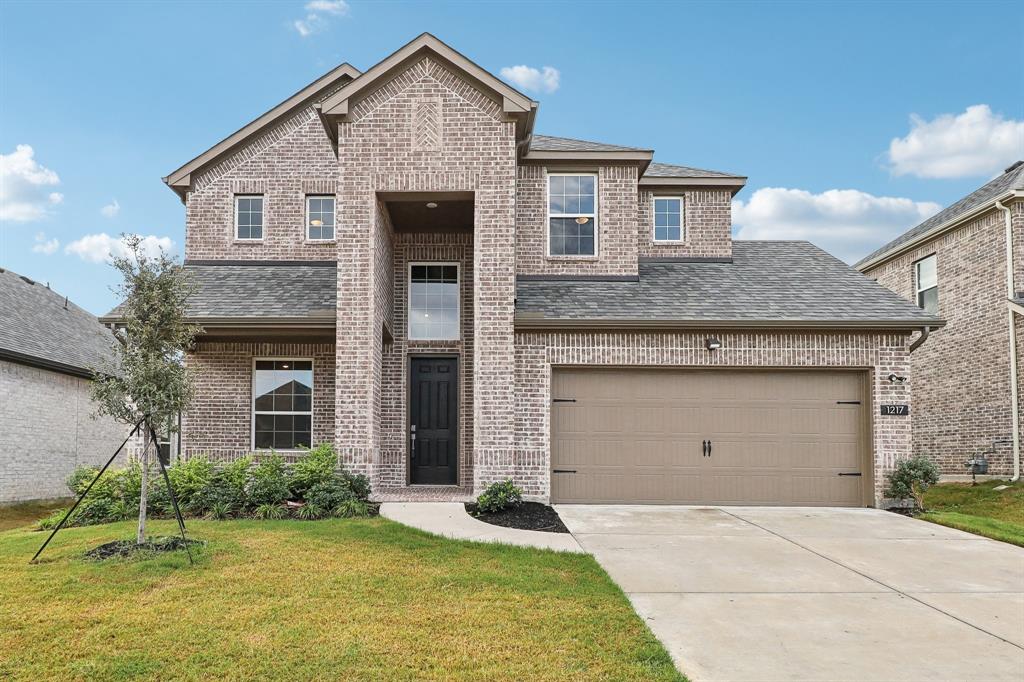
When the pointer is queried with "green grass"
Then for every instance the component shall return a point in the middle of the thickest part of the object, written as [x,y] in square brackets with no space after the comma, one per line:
[980,509]
[340,599]
[27,513]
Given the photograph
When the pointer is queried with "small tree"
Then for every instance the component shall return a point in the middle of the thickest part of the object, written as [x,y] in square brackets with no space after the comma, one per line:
[911,478]
[150,380]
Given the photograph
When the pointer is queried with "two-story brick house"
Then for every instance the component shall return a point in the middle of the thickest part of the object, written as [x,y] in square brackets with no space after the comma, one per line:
[395,262]
[966,264]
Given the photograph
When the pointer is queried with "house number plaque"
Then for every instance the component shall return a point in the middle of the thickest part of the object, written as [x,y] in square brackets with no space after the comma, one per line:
[895,410]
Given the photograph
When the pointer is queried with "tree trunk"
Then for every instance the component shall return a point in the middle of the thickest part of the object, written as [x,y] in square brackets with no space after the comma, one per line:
[141,538]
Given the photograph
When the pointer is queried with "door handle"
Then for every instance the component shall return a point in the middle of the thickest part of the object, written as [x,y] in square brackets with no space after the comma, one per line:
[709,448]
[704,446]
[412,437]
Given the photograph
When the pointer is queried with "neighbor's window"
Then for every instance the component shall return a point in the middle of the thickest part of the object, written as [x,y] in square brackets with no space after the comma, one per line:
[572,215]
[668,219]
[282,404]
[319,217]
[434,302]
[927,279]
[249,217]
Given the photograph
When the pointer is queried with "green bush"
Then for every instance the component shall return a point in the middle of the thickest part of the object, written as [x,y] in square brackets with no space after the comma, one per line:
[80,478]
[220,510]
[309,512]
[268,482]
[910,478]
[270,512]
[352,508]
[499,496]
[330,493]
[314,467]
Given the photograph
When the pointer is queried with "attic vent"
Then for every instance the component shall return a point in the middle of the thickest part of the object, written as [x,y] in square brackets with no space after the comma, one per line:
[1014,166]
[26,279]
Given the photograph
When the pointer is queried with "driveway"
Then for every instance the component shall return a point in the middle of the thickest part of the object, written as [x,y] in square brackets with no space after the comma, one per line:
[755,593]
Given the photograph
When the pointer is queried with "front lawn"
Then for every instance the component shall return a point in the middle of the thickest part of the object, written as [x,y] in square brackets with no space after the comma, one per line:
[360,599]
[980,509]
[26,513]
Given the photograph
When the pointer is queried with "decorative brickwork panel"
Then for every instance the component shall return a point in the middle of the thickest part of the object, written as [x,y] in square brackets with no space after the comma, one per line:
[616,224]
[218,424]
[537,353]
[707,225]
[426,122]
[961,374]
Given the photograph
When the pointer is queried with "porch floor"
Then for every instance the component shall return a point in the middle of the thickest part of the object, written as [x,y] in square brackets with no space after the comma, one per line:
[423,493]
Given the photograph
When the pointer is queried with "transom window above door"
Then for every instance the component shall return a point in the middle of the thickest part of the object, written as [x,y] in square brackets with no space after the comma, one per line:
[282,404]
[249,217]
[319,218]
[572,214]
[668,219]
[434,301]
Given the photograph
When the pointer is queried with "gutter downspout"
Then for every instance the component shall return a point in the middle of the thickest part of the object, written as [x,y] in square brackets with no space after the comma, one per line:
[1011,323]
[920,340]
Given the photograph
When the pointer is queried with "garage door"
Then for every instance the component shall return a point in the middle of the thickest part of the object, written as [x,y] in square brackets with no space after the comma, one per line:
[662,436]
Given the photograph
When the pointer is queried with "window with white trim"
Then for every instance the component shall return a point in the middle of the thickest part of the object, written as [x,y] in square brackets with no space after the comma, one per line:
[434,301]
[926,279]
[572,214]
[319,217]
[668,219]
[249,216]
[282,404]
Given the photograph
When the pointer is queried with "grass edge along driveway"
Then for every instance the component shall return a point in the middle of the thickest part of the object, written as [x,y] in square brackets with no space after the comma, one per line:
[980,509]
[338,599]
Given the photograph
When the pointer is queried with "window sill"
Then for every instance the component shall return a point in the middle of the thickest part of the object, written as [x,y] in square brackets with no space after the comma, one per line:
[314,242]
[570,259]
[247,241]
[670,242]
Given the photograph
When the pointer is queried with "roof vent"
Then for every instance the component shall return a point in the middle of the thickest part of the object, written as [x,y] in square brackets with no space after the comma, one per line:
[1014,166]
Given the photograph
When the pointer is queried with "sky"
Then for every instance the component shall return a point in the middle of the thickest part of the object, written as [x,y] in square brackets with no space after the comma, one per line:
[852,121]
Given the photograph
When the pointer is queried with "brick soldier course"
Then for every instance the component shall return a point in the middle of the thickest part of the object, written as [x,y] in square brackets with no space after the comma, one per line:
[428,125]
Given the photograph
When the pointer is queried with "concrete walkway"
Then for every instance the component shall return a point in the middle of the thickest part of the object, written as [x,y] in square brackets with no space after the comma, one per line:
[450,520]
[813,594]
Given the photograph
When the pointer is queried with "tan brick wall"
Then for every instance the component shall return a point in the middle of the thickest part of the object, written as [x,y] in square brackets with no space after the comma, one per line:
[218,424]
[537,352]
[961,373]
[707,225]
[617,225]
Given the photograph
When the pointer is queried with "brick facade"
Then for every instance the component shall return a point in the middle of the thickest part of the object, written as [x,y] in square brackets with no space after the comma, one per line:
[961,374]
[47,430]
[707,225]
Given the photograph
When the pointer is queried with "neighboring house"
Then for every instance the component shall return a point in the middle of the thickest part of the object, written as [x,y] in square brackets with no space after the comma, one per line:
[48,349]
[967,379]
[395,262]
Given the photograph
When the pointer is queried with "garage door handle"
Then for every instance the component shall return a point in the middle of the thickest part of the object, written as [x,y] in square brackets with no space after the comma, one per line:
[856,474]
[704,447]
[563,471]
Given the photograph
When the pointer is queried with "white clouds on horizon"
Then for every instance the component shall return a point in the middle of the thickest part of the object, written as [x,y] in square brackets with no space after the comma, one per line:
[977,142]
[847,223]
[111,210]
[317,12]
[45,246]
[99,248]
[545,79]
[24,185]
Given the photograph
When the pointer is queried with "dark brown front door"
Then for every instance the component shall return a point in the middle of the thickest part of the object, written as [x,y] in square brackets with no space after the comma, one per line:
[433,421]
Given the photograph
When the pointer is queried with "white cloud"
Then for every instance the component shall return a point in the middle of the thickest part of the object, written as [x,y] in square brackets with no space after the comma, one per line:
[976,142]
[98,248]
[23,186]
[315,20]
[111,210]
[45,246]
[526,77]
[847,223]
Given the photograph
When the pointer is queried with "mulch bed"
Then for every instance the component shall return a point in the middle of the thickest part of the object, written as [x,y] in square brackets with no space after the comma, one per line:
[526,516]
[127,548]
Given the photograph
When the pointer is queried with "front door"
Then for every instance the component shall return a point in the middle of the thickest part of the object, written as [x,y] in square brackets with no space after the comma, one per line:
[433,421]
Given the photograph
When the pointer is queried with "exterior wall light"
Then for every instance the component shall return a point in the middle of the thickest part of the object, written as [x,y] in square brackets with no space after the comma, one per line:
[897,379]
[431,204]
[712,343]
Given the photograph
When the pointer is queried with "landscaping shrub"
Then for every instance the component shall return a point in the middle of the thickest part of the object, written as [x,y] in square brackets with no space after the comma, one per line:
[499,496]
[270,512]
[352,508]
[315,467]
[910,478]
[309,512]
[268,482]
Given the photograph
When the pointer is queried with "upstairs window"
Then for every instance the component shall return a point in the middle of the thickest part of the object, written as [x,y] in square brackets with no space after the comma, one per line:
[572,214]
[249,217]
[668,219]
[926,277]
[282,404]
[434,301]
[319,218]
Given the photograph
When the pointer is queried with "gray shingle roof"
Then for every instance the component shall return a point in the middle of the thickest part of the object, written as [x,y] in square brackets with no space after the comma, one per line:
[1011,179]
[773,281]
[264,290]
[668,170]
[547,143]
[37,326]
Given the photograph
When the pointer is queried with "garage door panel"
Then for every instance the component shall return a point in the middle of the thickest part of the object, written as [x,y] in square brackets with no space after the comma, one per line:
[779,437]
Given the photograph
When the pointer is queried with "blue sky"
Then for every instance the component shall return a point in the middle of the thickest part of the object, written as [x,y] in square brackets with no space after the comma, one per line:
[852,121]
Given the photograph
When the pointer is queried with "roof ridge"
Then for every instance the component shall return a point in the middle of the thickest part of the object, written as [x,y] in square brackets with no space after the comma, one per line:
[579,139]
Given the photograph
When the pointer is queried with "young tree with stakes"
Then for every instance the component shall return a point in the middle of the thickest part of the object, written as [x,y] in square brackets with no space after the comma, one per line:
[151,381]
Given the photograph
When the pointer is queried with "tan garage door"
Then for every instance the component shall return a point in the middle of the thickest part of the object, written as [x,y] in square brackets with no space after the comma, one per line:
[664,436]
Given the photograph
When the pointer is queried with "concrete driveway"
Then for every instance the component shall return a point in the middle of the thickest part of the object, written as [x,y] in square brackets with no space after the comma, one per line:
[755,593]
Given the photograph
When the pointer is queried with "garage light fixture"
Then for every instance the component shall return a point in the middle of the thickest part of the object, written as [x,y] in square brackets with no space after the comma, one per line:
[712,343]
[431,204]
[897,379]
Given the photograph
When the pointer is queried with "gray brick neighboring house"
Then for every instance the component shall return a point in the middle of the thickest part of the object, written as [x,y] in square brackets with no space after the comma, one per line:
[393,261]
[966,263]
[48,347]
